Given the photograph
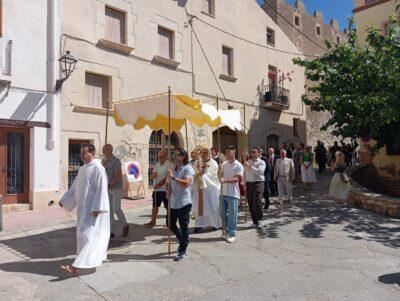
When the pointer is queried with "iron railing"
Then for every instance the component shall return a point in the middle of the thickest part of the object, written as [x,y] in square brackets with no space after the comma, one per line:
[278,95]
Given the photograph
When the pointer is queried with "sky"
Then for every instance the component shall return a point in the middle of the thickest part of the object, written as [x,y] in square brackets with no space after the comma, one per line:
[330,9]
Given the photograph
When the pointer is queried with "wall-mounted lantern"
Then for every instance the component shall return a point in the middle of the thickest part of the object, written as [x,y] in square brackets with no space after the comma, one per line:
[67,63]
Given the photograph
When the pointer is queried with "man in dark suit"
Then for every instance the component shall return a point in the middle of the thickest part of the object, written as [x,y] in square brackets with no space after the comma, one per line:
[272,158]
[267,180]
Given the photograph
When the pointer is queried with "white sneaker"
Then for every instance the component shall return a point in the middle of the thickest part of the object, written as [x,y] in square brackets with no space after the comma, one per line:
[224,235]
[230,239]
[252,226]
[260,225]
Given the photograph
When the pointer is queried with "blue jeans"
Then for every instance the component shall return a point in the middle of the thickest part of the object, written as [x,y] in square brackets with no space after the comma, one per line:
[228,209]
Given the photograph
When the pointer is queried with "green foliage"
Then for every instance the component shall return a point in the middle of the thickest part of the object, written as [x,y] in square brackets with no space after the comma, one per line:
[359,85]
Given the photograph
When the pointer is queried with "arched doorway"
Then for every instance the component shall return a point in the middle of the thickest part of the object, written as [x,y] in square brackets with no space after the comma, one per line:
[228,137]
[157,142]
[273,141]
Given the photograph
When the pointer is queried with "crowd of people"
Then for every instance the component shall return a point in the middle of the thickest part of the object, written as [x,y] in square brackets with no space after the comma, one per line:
[210,185]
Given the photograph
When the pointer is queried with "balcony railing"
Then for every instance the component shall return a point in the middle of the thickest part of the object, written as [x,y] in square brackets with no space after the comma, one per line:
[5,57]
[277,98]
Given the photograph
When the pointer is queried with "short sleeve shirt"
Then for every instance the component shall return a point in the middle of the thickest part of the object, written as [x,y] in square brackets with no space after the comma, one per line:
[181,196]
[161,171]
[229,171]
[112,166]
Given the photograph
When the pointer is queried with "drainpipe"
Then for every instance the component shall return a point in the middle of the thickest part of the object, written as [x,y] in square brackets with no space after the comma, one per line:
[55,98]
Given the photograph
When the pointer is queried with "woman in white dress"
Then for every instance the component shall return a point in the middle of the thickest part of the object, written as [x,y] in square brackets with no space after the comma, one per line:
[307,171]
[339,189]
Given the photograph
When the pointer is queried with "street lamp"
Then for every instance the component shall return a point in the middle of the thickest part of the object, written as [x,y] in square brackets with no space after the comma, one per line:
[67,63]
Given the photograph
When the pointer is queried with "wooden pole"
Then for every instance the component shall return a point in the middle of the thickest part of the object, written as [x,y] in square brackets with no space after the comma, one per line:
[245,149]
[220,163]
[107,115]
[187,137]
[169,166]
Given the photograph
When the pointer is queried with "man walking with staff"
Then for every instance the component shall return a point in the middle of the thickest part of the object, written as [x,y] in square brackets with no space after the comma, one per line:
[180,195]
[159,196]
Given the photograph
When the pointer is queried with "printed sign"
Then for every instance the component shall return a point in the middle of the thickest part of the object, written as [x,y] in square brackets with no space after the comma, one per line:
[133,172]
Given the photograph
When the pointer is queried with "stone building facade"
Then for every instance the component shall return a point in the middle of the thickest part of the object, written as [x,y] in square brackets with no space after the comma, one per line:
[130,48]
[292,19]
[29,107]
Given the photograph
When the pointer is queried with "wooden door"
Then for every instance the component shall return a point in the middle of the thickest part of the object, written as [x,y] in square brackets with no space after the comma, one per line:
[14,165]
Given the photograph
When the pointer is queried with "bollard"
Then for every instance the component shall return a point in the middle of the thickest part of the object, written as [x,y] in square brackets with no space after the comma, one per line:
[1,213]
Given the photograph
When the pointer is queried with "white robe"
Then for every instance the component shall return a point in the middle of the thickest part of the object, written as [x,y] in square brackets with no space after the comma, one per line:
[89,193]
[211,193]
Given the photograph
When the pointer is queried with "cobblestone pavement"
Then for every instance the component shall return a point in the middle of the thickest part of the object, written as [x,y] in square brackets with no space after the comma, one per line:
[312,250]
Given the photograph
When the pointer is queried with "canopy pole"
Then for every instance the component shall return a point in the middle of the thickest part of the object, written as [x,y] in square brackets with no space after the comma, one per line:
[107,115]
[219,162]
[169,167]
[245,150]
[187,137]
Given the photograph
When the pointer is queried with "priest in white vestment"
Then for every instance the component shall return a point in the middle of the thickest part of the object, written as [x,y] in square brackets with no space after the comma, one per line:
[89,195]
[206,192]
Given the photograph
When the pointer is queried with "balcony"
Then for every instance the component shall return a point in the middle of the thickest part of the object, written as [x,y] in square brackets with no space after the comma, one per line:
[277,98]
[5,60]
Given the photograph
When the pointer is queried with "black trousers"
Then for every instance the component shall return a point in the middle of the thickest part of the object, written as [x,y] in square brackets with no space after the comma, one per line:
[182,233]
[255,192]
[274,187]
[266,194]
[321,166]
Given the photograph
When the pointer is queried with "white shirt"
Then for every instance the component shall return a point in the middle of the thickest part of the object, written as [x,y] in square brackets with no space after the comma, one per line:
[255,172]
[161,171]
[282,169]
[229,171]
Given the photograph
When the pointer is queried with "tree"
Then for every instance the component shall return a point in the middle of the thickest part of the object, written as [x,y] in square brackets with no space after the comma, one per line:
[359,85]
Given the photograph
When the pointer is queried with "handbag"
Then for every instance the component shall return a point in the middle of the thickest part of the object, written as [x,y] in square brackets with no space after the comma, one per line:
[344,178]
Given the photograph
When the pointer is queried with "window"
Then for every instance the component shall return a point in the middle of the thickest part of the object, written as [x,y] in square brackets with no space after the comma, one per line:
[97,90]
[166,43]
[338,40]
[270,36]
[295,127]
[74,159]
[227,61]
[297,20]
[209,7]
[319,31]
[115,26]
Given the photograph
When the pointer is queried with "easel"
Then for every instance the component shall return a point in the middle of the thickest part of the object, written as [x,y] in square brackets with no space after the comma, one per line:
[137,185]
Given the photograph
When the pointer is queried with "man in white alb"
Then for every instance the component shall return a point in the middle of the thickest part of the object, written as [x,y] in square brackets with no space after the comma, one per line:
[284,176]
[89,195]
[206,196]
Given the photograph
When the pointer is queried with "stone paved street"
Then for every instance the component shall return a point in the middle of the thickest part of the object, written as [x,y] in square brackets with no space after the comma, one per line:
[313,250]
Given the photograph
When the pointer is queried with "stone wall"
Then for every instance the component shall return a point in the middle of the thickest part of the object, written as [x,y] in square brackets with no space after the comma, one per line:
[361,197]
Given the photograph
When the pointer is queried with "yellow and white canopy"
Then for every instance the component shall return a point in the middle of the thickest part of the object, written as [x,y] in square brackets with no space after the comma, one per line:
[153,112]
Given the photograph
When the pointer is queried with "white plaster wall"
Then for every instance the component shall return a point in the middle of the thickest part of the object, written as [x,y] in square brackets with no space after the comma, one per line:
[26,23]
[135,75]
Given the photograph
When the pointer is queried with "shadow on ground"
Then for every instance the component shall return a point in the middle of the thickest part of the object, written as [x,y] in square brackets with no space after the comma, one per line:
[390,278]
[39,252]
